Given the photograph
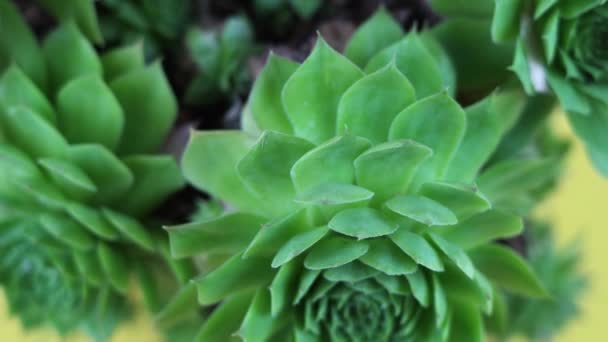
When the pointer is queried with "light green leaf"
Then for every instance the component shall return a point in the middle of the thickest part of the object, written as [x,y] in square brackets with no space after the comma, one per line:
[130,229]
[307,280]
[386,257]
[351,272]
[114,266]
[521,66]
[67,231]
[550,35]
[572,99]
[574,8]
[418,248]
[227,234]
[259,324]
[376,33]
[454,253]
[483,228]
[274,234]
[333,194]
[467,324]
[420,287]
[463,200]
[440,302]
[369,106]
[298,245]
[183,304]
[284,287]
[362,223]
[16,89]
[89,267]
[82,12]
[226,319]
[334,251]
[70,179]
[422,209]
[120,61]
[93,221]
[311,95]
[506,21]
[437,122]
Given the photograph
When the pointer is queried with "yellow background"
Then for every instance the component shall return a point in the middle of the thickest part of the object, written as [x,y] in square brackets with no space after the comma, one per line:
[578,208]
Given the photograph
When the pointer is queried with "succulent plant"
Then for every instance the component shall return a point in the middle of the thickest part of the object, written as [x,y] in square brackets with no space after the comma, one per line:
[79,174]
[560,49]
[356,206]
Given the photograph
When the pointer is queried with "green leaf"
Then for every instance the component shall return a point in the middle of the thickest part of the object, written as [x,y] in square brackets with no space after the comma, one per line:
[235,275]
[227,234]
[483,228]
[464,201]
[334,251]
[333,194]
[437,122]
[70,179]
[298,245]
[149,287]
[182,305]
[155,178]
[386,257]
[508,270]
[306,8]
[572,9]
[440,302]
[259,324]
[209,163]
[274,234]
[331,162]
[506,21]
[422,209]
[67,44]
[467,324]
[284,287]
[454,253]
[521,66]
[82,12]
[226,319]
[572,99]
[362,223]
[264,101]
[306,283]
[591,129]
[93,221]
[414,61]
[120,61]
[311,94]
[460,8]
[114,266]
[351,272]
[418,248]
[376,33]
[420,287]
[550,35]
[88,112]
[89,268]
[31,133]
[67,231]
[265,169]
[16,89]
[397,161]
[369,106]
[149,107]
[130,229]
[111,177]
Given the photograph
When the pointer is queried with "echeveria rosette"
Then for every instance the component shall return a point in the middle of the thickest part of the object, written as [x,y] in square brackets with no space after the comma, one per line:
[355,213]
[560,46]
[79,172]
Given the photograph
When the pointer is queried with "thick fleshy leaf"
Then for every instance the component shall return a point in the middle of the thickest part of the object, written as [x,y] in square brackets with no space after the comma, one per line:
[506,21]
[570,97]
[334,251]
[483,228]
[235,275]
[521,67]
[274,234]
[71,180]
[375,34]
[467,324]
[369,106]
[227,234]
[181,305]
[265,169]
[298,245]
[437,122]
[31,133]
[331,162]
[82,12]
[551,35]
[329,194]
[265,101]
[397,162]
[156,177]
[591,129]
[420,287]
[111,177]
[386,257]
[507,270]
[351,272]
[67,231]
[209,163]
[88,112]
[422,209]
[454,8]
[67,44]
[440,302]
[362,223]
[149,107]
[120,61]
[89,268]
[226,319]
[149,287]
[259,324]
[115,267]
[414,61]
[573,9]
[130,229]
[454,253]
[418,248]
[463,200]
[312,93]
[17,89]
[284,287]
[93,220]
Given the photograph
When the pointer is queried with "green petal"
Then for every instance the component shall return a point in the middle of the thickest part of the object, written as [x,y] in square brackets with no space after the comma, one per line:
[415,62]
[149,107]
[376,33]
[226,319]
[397,161]
[226,234]
[387,258]
[114,266]
[418,248]
[88,112]
[464,201]
[120,61]
[265,169]
[264,101]
[297,245]
[130,229]
[422,209]
[362,223]
[483,228]
[369,106]
[67,231]
[437,122]
[331,162]
[17,89]
[235,275]
[312,93]
[70,179]
[508,270]
[334,251]
[506,21]
[274,234]
[209,163]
